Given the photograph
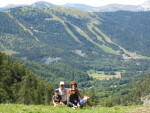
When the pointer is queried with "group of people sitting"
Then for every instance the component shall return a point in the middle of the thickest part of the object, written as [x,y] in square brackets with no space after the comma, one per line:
[69,97]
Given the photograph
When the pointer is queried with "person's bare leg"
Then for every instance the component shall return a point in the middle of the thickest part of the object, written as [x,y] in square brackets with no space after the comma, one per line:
[56,105]
[89,103]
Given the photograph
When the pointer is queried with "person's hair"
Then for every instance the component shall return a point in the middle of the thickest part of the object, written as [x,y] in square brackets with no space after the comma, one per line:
[73,83]
[56,90]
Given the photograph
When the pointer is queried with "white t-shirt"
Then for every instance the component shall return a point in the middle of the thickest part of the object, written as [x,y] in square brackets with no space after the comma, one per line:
[63,94]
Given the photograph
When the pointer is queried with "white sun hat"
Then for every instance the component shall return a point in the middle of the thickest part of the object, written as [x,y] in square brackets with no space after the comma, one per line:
[61,83]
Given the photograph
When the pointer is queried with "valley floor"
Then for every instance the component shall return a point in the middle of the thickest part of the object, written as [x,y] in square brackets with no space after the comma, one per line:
[16,108]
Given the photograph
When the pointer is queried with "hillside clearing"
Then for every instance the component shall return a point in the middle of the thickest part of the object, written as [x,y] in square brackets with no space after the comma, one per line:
[102,75]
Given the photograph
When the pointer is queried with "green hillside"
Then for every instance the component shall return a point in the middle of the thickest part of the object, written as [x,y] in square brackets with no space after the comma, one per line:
[56,34]
[20,85]
[50,33]
[58,72]
[77,38]
[124,91]
[128,29]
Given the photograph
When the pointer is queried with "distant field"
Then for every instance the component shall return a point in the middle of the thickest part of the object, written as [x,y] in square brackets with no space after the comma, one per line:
[102,76]
[10,52]
[140,56]
[16,108]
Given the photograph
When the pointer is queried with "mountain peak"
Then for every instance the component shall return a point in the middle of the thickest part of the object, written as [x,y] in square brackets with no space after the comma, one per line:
[145,6]
[43,4]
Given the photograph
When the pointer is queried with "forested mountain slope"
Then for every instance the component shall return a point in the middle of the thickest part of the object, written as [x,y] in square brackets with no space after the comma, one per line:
[135,92]
[70,36]
[19,85]
[130,30]
[51,35]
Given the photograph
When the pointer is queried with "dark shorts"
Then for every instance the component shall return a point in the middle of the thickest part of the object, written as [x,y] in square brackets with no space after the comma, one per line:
[65,102]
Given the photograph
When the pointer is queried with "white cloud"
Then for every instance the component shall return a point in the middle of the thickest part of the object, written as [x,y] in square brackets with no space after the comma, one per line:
[88,2]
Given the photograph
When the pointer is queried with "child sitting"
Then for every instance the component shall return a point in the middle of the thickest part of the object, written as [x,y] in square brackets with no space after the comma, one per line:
[57,101]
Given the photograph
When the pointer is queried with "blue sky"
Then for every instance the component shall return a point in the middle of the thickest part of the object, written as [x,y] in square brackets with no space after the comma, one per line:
[88,2]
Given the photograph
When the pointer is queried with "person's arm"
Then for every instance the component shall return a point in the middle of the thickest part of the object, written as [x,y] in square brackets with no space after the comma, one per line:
[77,98]
[68,92]
[78,92]
[78,101]
[61,102]
[54,101]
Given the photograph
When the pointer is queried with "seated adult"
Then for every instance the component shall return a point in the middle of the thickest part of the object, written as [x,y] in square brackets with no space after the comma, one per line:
[63,92]
[57,100]
[73,85]
[73,99]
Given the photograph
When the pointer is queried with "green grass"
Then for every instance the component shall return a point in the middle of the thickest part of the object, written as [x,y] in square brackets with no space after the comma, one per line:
[106,38]
[140,56]
[90,26]
[108,49]
[16,108]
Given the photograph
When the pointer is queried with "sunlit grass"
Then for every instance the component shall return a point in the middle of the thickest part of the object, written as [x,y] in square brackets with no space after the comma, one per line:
[100,75]
[16,108]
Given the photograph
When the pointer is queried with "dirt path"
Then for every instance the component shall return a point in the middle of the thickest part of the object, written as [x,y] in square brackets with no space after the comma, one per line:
[118,75]
[141,110]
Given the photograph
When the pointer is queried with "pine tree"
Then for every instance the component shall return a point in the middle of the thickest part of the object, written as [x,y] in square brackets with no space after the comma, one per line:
[92,95]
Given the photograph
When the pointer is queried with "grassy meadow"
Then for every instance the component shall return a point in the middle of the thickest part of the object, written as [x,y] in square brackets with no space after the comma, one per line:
[18,108]
[100,75]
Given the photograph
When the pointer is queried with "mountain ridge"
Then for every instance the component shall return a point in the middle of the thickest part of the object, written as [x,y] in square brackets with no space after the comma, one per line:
[78,6]
[106,8]
[119,7]
[79,30]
